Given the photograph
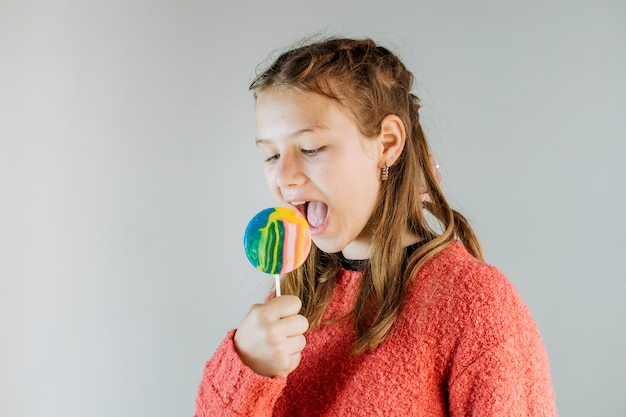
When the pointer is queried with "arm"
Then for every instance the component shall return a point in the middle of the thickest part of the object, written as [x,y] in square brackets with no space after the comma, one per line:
[247,374]
[500,367]
[230,388]
[511,379]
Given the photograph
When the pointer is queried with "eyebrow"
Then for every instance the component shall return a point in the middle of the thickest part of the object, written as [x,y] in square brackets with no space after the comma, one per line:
[295,134]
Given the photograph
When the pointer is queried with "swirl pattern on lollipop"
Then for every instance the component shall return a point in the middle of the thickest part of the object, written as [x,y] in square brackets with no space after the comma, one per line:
[277,240]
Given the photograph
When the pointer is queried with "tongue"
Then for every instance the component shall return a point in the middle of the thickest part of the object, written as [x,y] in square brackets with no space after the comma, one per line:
[316,213]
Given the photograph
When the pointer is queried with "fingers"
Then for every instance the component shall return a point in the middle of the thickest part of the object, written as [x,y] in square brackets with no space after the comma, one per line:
[296,344]
[284,306]
[293,355]
[270,338]
[292,326]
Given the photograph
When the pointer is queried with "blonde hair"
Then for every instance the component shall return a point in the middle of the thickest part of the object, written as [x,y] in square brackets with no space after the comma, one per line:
[372,83]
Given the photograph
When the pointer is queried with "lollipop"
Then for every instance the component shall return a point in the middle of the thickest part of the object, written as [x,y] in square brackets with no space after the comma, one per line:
[277,240]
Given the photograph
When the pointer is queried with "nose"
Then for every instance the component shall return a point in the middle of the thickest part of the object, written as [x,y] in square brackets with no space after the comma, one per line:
[289,173]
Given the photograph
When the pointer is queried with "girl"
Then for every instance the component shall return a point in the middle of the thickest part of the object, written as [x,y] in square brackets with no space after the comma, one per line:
[393,313]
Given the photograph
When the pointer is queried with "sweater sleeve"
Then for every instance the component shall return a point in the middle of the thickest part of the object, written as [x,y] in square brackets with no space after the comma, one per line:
[230,388]
[501,367]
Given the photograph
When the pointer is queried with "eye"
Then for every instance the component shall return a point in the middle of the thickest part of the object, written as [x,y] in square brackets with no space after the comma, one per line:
[272,158]
[313,152]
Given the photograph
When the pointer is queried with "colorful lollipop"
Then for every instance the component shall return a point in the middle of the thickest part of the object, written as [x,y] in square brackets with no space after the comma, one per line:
[277,240]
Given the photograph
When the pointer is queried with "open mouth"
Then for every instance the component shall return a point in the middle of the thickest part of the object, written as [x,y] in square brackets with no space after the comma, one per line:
[315,212]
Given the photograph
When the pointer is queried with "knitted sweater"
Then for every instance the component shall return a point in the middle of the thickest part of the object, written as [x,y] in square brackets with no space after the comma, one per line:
[463,345]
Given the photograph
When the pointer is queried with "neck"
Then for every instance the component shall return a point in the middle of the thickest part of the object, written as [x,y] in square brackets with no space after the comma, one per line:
[358,249]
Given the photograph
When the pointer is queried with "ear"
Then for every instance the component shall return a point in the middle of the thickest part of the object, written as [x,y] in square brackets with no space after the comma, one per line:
[392,140]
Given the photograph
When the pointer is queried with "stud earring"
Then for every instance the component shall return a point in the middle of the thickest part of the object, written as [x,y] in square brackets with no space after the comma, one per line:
[384,173]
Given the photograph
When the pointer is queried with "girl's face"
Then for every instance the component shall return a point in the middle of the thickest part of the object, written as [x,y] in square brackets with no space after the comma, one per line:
[317,161]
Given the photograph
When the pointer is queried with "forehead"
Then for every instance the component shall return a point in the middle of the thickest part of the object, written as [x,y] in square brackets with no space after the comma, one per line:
[283,111]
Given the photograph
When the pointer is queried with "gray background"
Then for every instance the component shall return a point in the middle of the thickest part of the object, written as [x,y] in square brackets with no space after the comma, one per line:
[128,173]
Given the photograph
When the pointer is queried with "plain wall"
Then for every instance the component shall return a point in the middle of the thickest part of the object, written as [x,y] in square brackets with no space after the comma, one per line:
[128,172]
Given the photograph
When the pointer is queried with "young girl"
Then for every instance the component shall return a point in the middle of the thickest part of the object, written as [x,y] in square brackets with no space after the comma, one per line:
[393,313]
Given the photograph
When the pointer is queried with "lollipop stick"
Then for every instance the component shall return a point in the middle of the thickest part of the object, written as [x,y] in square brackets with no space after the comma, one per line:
[277,281]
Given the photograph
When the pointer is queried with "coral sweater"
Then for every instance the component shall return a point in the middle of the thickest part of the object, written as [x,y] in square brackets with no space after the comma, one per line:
[464,345]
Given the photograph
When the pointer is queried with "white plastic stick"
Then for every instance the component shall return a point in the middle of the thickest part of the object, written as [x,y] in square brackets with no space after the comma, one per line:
[277,280]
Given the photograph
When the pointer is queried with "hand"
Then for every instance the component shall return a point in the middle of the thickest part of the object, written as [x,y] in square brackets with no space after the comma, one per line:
[270,338]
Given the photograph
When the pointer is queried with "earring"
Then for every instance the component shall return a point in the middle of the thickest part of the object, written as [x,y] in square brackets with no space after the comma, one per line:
[384,173]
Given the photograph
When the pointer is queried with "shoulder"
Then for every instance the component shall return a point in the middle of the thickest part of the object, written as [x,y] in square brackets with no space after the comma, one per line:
[468,298]
[454,273]
[488,346]
[457,263]
[496,361]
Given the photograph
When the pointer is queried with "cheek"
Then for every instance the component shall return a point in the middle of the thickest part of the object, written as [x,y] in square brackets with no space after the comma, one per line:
[271,184]
[268,177]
